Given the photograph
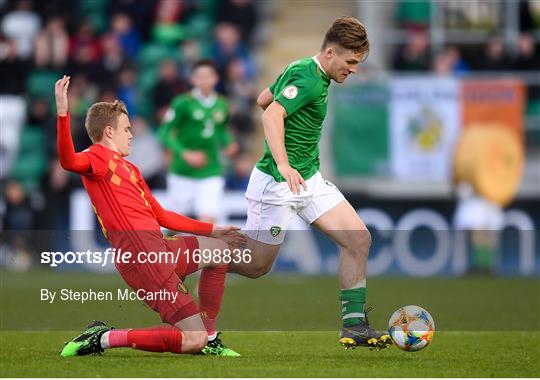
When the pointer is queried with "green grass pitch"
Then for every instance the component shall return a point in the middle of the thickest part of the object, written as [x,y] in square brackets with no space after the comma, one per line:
[284,326]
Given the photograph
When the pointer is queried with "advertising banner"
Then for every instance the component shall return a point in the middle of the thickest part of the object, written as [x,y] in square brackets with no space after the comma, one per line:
[425,118]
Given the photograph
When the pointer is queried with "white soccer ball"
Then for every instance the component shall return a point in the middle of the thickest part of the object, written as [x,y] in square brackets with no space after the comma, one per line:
[411,328]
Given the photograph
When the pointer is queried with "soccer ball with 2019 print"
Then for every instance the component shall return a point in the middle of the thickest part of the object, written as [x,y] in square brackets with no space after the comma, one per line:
[411,328]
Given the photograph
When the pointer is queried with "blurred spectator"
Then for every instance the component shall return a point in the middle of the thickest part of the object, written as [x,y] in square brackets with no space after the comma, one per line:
[127,89]
[527,59]
[241,13]
[449,61]
[238,178]
[168,86]
[22,25]
[58,186]
[19,219]
[227,47]
[141,13]
[494,58]
[146,153]
[19,212]
[242,95]
[168,20]
[113,59]
[107,94]
[85,55]
[13,70]
[128,36]
[13,74]
[85,44]
[191,53]
[52,45]
[40,114]
[415,56]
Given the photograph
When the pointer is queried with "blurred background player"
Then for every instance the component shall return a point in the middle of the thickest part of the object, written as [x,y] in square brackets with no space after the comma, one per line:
[195,129]
[286,181]
[130,218]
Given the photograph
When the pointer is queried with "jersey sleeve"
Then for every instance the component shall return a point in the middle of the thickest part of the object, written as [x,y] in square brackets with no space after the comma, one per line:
[296,91]
[83,163]
[167,133]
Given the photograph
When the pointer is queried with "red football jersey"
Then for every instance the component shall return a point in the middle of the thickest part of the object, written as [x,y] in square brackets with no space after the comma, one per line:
[118,192]
[127,211]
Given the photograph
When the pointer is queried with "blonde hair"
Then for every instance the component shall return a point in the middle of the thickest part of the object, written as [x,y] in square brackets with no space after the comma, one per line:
[349,33]
[102,114]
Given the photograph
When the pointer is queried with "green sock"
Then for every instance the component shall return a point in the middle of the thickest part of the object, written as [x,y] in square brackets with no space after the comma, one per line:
[352,304]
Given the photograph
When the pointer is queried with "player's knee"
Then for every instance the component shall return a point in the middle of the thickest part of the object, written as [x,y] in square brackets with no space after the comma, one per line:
[257,269]
[358,242]
[194,341]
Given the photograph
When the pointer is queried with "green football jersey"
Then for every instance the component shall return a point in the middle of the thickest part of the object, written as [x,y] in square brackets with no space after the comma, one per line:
[301,89]
[190,124]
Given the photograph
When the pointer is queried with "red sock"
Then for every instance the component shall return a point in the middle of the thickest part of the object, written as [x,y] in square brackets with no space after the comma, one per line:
[156,339]
[211,287]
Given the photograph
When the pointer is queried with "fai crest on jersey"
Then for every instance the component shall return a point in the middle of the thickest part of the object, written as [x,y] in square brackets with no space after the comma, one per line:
[219,116]
[290,92]
[198,114]
[275,230]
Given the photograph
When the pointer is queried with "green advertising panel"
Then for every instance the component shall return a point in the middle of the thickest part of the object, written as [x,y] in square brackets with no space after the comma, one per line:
[360,130]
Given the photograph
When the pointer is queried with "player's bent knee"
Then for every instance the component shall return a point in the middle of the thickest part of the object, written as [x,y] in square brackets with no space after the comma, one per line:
[358,242]
[259,269]
[194,341]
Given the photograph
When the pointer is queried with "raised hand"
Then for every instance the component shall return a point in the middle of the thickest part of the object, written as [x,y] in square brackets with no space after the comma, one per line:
[60,94]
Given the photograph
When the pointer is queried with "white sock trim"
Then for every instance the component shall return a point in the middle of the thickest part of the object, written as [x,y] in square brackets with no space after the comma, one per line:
[212,337]
[354,315]
[361,284]
[104,340]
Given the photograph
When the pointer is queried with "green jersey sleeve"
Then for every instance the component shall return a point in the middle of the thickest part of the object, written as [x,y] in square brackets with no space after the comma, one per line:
[295,90]
[169,128]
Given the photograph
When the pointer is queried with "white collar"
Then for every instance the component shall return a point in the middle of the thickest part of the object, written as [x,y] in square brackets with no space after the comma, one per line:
[207,101]
[319,64]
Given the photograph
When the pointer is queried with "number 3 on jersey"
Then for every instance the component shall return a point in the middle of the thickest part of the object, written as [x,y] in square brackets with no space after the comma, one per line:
[208,130]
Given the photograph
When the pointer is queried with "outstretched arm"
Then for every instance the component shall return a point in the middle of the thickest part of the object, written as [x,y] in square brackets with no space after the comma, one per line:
[181,223]
[265,98]
[75,162]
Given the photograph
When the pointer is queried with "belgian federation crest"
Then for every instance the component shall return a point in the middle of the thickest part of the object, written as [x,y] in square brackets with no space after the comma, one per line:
[275,230]
[182,288]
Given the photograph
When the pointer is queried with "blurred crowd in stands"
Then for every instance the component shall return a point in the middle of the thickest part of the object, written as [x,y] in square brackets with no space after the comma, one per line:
[492,55]
[138,51]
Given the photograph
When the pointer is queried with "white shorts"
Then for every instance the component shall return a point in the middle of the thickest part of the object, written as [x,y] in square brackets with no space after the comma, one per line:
[272,205]
[198,196]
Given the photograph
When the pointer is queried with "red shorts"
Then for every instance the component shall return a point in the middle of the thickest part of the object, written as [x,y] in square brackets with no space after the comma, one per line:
[167,277]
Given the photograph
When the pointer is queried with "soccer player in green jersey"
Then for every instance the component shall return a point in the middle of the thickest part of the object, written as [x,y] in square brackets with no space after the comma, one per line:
[195,130]
[286,181]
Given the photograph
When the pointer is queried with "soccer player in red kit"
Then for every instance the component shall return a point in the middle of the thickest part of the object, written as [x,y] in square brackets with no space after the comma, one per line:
[130,218]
